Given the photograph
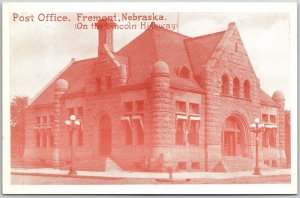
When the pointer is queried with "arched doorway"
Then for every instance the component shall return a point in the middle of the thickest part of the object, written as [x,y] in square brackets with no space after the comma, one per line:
[105,138]
[235,136]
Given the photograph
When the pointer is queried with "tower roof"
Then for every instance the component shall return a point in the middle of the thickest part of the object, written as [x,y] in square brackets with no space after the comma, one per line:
[160,67]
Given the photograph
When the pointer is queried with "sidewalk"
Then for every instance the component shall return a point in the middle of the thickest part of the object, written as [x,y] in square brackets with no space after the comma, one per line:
[148,175]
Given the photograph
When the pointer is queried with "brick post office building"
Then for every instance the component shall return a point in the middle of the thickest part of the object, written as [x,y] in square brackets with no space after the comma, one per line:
[163,100]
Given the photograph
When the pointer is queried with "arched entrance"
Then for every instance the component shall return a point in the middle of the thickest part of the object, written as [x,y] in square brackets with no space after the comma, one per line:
[105,138]
[235,136]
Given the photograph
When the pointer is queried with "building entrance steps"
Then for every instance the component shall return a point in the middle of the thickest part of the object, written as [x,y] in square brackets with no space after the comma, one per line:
[102,163]
[237,164]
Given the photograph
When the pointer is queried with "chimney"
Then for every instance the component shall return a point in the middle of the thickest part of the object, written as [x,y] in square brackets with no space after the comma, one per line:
[231,26]
[105,35]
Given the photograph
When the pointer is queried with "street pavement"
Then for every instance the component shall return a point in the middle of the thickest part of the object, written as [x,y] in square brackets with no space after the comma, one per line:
[58,180]
[50,172]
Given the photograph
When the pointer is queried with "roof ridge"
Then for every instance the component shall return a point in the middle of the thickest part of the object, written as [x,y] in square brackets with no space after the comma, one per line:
[209,49]
[170,31]
[205,35]
[151,29]
[214,48]
[131,41]
[84,60]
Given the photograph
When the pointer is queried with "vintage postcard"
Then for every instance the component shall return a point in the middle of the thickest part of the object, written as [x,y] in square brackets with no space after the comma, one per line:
[149,98]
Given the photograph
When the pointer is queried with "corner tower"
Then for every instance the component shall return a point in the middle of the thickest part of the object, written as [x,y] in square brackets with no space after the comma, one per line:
[160,108]
[61,86]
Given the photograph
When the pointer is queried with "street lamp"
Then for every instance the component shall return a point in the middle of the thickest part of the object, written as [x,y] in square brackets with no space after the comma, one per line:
[72,124]
[257,128]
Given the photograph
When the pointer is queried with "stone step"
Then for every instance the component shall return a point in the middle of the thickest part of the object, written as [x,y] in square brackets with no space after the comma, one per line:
[100,164]
[238,164]
[111,165]
[233,164]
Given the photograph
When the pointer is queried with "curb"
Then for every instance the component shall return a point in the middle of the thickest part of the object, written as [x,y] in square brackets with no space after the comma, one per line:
[119,178]
[69,176]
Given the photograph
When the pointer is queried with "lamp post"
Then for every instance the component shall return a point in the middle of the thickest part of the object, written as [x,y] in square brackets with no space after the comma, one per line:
[257,128]
[72,124]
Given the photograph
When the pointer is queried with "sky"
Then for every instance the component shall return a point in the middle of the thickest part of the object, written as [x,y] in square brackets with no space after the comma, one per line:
[40,50]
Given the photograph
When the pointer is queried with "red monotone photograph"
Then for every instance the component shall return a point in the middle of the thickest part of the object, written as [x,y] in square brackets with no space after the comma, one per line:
[120,98]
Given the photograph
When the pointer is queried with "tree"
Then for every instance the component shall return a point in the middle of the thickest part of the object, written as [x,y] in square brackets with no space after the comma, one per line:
[17,125]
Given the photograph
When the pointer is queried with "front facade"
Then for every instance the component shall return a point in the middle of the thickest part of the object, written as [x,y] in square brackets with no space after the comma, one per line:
[163,101]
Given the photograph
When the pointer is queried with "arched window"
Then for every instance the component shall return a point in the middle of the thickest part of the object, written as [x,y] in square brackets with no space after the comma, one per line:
[236,87]
[225,85]
[184,72]
[247,89]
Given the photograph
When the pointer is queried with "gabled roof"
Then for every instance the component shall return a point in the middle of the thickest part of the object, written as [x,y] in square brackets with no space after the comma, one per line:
[267,100]
[140,55]
[154,45]
[75,73]
[201,48]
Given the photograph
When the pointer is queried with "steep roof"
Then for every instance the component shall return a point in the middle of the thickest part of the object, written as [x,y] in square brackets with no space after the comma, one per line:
[201,48]
[154,45]
[140,54]
[75,73]
[267,100]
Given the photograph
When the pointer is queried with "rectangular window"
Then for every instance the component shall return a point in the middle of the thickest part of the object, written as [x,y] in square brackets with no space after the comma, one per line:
[37,138]
[266,162]
[108,82]
[266,138]
[44,120]
[98,84]
[273,138]
[138,126]
[265,118]
[181,165]
[128,131]
[273,118]
[180,106]
[193,136]
[51,120]
[180,132]
[128,107]
[194,108]
[38,121]
[195,165]
[139,105]
[44,138]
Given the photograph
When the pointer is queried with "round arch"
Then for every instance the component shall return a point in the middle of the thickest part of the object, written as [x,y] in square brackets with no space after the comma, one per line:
[235,136]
